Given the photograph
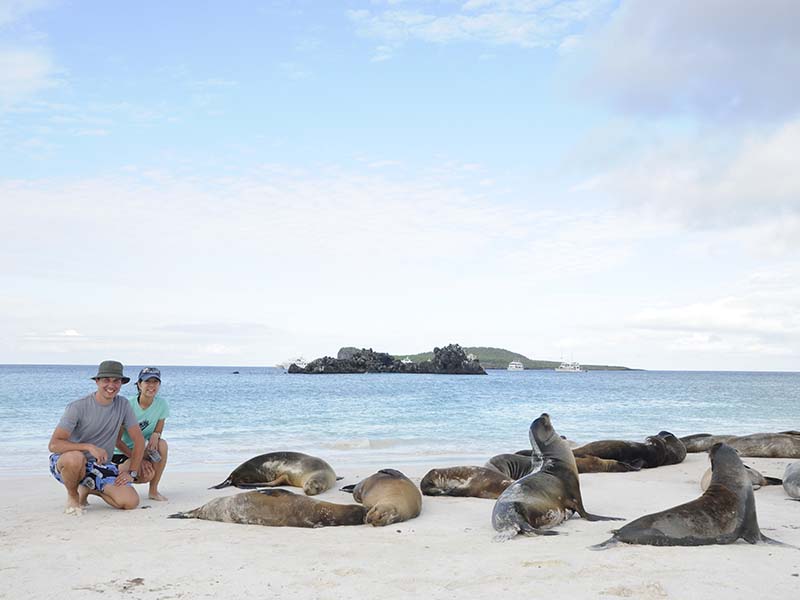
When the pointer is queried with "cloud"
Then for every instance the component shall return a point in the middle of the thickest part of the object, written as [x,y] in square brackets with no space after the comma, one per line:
[14,10]
[749,189]
[715,58]
[525,23]
[24,73]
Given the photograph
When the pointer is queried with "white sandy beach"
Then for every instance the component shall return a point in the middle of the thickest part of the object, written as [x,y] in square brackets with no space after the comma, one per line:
[447,552]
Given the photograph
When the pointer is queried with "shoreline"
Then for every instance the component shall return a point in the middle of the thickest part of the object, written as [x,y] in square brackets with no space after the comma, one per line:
[447,551]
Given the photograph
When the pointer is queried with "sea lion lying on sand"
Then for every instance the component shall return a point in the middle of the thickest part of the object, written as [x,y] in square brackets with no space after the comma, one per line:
[785,444]
[514,466]
[756,478]
[389,497]
[648,454]
[791,480]
[277,508]
[312,474]
[722,515]
[476,482]
[541,500]
[593,464]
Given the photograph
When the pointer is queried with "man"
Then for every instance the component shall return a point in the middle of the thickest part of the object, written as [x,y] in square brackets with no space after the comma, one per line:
[83,443]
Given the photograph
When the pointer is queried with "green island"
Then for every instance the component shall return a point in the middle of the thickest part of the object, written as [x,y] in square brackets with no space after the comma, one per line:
[498,358]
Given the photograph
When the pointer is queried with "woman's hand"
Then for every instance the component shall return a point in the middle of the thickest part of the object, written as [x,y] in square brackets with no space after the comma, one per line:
[146,471]
[152,443]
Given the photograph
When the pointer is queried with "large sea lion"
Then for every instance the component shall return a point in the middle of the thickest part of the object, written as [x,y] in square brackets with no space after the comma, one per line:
[648,454]
[594,464]
[476,482]
[722,515]
[791,480]
[389,497]
[547,497]
[676,450]
[756,478]
[312,474]
[277,508]
[784,444]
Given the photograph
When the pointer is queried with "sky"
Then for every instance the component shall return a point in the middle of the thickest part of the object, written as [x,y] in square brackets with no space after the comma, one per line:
[240,183]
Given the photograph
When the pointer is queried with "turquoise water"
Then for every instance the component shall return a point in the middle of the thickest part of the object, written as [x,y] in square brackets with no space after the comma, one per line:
[219,418]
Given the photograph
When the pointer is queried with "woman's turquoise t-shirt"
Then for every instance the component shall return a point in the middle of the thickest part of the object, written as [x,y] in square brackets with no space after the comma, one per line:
[147,417]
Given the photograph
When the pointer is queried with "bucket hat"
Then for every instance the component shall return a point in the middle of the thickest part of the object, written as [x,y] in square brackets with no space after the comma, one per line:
[111,368]
[150,373]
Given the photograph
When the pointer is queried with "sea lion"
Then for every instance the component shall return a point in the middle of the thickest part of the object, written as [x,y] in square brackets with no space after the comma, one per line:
[476,482]
[676,450]
[276,508]
[593,464]
[650,453]
[514,466]
[547,497]
[312,474]
[722,515]
[389,497]
[791,480]
[784,444]
[756,478]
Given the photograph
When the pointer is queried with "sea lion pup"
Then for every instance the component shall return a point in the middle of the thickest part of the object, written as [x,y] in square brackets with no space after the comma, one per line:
[593,464]
[756,478]
[547,497]
[676,450]
[791,480]
[389,497]
[722,515]
[514,466]
[649,454]
[312,474]
[276,508]
[475,482]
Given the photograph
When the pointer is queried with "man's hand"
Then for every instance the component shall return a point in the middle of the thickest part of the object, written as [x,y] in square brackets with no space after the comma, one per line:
[99,454]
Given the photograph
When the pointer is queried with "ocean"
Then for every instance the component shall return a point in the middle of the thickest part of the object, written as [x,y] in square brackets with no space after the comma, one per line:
[219,419]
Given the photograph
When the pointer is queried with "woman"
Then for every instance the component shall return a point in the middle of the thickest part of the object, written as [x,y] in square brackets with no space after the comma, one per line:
[151,411]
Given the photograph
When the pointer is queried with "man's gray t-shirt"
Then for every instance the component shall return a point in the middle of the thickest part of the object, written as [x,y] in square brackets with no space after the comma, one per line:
[90,422]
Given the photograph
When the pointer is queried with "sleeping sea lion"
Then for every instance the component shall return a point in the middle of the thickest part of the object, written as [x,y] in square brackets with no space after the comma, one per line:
[593,464]
[547,497]
[722,515]
[514,466]
[476,482]
[785,444]
[312,474]
[389,497]
[676,450]
[277,508]
[791,480]
[652,453]
[756,478]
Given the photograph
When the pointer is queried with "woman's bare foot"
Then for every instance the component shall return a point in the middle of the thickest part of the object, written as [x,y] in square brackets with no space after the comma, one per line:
[156,495]
[71,509]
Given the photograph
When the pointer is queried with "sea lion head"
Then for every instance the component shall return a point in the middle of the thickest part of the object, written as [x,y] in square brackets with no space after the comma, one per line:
[546,442]
[727,468]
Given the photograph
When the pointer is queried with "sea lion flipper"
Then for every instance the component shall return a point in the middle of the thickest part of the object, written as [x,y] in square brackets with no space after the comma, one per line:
[773,480]
[348,488]
[224,484]
[609,543]
[768,540]
[591,517]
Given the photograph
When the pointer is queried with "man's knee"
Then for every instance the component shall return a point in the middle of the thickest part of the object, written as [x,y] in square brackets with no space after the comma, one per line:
[71,462]
[123,497]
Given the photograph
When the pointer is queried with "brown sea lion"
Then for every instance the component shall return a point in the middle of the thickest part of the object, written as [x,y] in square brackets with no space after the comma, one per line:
[756,478]
[676,451]
[784,444]
[543,499]
[312,474]
[476,482]
[389,496]
[652,452]
[722,515]
[593,464]
[277,508]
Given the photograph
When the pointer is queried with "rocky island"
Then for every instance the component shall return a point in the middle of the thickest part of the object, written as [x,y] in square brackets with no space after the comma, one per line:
[450,360]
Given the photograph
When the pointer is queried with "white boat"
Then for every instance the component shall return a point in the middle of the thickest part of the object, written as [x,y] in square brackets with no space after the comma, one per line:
[516,365]
[570,367]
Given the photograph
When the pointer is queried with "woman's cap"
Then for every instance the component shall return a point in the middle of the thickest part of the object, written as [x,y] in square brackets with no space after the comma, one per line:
[150,373]
[111,368]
